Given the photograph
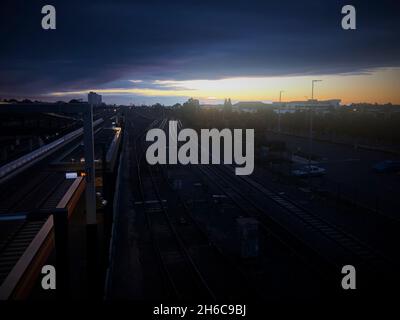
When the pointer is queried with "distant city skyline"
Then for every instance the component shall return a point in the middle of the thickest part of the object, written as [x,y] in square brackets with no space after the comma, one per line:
[376,86]
[140,52]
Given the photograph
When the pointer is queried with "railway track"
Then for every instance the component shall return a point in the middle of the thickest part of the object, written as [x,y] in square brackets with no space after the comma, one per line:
[352,244]
[184,279]
[325,246]
[226,276]
[319,244]
[194,268]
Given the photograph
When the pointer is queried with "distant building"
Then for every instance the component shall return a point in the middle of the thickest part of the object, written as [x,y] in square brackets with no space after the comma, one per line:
[250,106]
[94,98]
[378,110]
[291,106]
[317,105]
[244,106]
[333,103]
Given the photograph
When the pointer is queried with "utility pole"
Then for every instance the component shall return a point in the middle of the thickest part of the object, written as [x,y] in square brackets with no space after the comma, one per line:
[89,166]
[279,111]
[91,218]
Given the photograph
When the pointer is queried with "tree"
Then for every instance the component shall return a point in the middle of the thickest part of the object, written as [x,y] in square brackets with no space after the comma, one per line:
[157,106]
[75,101]
[190,110]
[228,105]
[192,105]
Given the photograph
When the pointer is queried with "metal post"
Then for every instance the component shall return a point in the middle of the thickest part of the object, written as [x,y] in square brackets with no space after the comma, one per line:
[89,166]
[310,138]
[91,218]
[279,111]
[310,133]
[312,90]
[311,121]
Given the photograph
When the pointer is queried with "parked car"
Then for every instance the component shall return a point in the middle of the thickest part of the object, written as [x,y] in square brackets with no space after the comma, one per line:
[309,171]
[387,166]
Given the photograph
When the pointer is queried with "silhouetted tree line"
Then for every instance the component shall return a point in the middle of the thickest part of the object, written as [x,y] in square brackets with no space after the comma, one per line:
[343,123]
[28,101]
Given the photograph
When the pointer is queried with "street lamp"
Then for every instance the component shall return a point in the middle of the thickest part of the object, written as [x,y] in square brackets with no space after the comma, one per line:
[311,123]
[279,110]
[312,88]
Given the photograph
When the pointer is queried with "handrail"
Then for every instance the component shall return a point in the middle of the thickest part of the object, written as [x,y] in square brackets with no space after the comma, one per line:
[22,265]
[111,150]
[12,286]
[17,163]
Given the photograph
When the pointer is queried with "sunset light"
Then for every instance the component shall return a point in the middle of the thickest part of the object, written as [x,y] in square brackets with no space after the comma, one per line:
[380,85]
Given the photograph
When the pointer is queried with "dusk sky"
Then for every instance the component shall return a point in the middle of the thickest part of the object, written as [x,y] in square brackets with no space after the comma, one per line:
[167,51]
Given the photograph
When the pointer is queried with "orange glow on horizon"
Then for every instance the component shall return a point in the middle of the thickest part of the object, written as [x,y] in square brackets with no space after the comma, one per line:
[380,85]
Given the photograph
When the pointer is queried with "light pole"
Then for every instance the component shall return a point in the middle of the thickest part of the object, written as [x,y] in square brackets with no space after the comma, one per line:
[311,123]
[279,111]
[312,88]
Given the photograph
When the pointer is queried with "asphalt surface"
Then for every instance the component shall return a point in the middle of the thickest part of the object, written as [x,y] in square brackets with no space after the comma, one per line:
[349,171]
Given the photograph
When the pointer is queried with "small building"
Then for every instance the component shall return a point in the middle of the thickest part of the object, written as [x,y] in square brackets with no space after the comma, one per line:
[94,99]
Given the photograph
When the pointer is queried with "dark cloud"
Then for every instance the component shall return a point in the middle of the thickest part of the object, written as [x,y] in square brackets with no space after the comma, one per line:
[97,42]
